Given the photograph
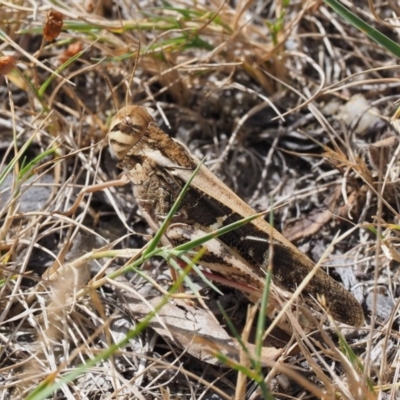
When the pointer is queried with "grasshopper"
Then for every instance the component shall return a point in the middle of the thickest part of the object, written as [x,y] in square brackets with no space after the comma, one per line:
[159,166]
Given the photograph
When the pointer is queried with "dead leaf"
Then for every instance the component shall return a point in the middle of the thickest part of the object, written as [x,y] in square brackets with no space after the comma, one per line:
[381,152]
[313,222]
[194,330]
[355,202]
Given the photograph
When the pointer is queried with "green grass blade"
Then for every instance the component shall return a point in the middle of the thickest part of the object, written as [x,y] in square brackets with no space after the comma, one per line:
[221,231]
[14,161]
[352,357]
[254,374]
[262,319]
[61,68]
[371,32]
[154,242]
[235,333]
[191,262]
[26,170]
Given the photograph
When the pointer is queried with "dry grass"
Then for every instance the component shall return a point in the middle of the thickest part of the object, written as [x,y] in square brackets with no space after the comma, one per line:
[257,88]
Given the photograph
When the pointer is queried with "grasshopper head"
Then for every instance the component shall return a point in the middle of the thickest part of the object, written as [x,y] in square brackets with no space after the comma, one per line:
[128,126]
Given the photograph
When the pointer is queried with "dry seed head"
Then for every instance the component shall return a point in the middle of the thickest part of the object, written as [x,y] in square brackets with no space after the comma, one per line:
[7,64]
[127,128]
[53,25]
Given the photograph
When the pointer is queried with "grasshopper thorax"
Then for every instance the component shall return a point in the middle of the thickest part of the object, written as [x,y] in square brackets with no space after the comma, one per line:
[127,128]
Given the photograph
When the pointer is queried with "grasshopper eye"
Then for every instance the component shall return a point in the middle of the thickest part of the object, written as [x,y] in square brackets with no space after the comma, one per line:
[127,128]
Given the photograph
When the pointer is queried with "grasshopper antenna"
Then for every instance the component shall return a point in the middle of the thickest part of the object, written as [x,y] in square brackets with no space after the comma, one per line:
[128,95]
[114,97]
